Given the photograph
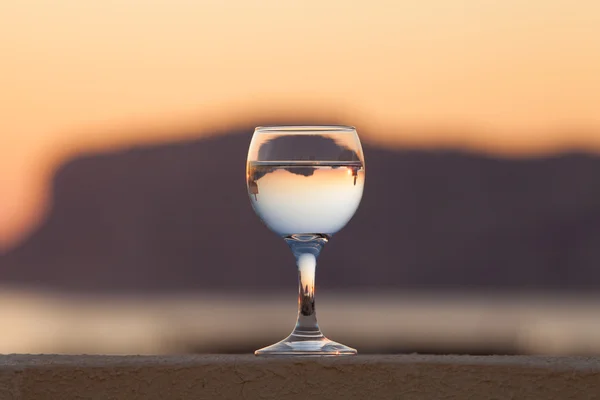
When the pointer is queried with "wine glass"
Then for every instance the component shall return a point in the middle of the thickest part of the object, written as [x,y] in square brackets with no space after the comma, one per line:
[305,183]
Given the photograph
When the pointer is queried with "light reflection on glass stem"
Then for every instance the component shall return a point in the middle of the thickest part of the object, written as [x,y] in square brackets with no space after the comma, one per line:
[306,249]
[306,279]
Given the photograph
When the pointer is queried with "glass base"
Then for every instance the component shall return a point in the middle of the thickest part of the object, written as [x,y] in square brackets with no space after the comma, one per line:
[306,345]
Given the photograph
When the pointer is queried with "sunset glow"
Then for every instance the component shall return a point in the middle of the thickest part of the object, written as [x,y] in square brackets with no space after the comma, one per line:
[508,77]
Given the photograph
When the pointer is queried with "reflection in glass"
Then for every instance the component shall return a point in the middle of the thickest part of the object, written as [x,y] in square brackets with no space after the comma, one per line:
[305,183]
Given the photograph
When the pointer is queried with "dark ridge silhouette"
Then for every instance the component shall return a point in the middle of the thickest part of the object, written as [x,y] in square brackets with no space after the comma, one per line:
[177,217]
[300,148]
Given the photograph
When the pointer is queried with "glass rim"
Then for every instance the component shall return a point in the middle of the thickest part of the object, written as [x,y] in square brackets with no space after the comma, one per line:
[299,129]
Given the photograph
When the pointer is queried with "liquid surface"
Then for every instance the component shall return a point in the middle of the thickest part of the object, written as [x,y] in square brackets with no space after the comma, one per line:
[305,197]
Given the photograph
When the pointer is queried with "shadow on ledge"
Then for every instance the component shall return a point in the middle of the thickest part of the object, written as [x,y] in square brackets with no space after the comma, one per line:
[176,217]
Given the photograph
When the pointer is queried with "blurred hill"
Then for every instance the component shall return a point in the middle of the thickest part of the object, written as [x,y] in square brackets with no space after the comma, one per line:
[176,218]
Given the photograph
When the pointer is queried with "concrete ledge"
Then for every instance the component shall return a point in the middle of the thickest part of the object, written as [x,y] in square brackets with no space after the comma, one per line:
[249,377]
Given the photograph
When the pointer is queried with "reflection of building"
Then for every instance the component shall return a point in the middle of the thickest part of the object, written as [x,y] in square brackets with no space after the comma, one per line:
[254,174]
[253,188]
[306,298]
[354,172]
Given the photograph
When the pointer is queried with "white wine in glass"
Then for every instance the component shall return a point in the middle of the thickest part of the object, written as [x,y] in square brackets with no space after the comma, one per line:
[305,183]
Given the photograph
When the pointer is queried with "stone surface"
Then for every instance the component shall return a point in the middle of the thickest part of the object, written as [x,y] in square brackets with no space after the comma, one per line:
[249,377]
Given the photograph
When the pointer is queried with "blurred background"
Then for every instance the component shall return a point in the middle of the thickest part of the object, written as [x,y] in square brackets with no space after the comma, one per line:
[125,226]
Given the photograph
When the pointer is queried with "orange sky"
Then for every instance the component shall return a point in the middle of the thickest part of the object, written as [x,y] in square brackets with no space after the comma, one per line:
[80,74]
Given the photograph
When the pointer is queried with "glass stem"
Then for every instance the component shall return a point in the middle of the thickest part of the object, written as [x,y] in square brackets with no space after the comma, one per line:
[306,249]
[307,315]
